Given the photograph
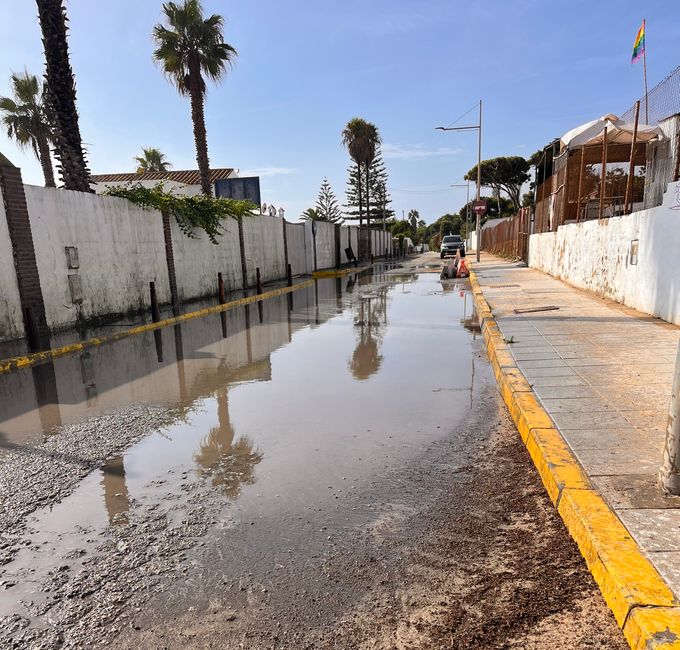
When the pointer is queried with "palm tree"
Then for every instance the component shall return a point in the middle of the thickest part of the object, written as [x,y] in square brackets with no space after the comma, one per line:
[61,97]
[152,160]
[189,49]
[25,119]
[361,138]
[353,138]
[311,214]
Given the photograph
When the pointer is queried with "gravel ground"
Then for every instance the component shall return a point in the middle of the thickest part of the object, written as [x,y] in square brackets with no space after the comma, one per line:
[32,477]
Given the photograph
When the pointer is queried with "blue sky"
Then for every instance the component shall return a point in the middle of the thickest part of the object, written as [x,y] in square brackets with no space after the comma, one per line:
[306,67]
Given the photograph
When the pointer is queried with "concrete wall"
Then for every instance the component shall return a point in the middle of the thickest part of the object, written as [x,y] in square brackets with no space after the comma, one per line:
[381,242]
[263,241]
[11,321]
[297,255]
[325,245]
[198,261]
[120,249]
[596,255]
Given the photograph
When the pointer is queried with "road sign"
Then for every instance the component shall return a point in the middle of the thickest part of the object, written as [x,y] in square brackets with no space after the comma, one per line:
[479,207]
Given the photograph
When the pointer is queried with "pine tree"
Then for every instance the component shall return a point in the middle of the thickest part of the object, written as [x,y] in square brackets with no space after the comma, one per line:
[327,204]
[378,190]
[380,210]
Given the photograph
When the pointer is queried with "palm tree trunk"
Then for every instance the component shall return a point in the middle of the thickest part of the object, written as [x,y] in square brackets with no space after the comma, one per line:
[361,205]
[61,89]
[46,162]
[200,137]
[368,195]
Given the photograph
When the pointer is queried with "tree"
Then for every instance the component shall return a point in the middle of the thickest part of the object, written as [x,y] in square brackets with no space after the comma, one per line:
[507,173]
[327,204]
[152,160]
[373,141]
[310,214]
[191,49]
[401,227]
[356,178]
[61,97]
[361,138]
[507,209]
[378,188]
[413,218]
[25,119]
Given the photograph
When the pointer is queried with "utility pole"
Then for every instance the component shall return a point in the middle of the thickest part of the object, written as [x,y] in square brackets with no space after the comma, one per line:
[669,474]
[479,180]
[478,127]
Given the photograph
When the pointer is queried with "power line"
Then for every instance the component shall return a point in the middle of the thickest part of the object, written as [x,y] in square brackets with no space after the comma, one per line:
[463,115]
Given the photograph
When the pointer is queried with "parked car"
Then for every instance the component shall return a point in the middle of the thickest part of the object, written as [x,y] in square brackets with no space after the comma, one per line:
[451,244]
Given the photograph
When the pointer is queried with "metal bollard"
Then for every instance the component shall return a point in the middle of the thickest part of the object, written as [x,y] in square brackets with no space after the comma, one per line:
[258,280]
[669,474]
[155,311]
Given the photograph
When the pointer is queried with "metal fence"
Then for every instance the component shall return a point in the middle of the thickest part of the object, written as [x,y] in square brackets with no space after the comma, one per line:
[662,101]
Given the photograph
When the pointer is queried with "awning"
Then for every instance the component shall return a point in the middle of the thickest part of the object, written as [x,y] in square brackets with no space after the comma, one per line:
[618,132]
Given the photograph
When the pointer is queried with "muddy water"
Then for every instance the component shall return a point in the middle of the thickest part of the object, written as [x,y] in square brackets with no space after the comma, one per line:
[273,422]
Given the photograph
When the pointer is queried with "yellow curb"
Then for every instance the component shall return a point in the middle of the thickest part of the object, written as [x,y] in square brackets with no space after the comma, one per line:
[554,461]
[626,578]
[34,358]
[651,628]
[642,603]
[338,273]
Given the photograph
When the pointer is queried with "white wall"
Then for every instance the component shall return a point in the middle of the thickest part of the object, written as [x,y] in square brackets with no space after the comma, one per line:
[168,186]
[11,320]
[121,250]
[297,256]
[120,247]
[354,238]
[198,261]
[595,255]
[263,243]
[325,245]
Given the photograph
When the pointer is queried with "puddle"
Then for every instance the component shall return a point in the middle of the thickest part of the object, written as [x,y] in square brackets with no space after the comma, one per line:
[269,415]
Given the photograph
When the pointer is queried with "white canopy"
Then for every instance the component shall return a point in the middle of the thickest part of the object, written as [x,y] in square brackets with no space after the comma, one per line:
[618,132]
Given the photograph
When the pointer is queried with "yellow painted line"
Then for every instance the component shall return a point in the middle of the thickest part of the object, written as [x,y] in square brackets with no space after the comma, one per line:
[34,358]
[339,273]
[642,603]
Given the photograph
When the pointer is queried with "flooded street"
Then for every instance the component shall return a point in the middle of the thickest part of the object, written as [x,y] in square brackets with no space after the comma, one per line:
[331,468]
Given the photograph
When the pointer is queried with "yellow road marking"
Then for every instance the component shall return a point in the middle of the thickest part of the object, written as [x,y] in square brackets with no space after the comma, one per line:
[37,357]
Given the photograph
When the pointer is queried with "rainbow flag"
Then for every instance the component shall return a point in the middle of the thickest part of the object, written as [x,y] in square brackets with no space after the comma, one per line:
[639,45]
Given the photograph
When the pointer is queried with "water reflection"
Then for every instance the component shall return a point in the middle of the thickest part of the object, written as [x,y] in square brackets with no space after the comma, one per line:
[116,496]
[370,322]
[227,462]
[183,367]
[46,396]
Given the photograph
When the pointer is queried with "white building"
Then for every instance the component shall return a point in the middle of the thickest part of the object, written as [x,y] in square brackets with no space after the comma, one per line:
[186,181]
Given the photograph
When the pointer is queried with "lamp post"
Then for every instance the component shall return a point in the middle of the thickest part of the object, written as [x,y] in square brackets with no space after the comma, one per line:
[478,127]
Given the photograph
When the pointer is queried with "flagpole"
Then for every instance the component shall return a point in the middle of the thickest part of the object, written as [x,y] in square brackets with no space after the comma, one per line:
[644,68]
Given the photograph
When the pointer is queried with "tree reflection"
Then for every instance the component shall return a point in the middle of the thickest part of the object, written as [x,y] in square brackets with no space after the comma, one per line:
[116,495]
[229,463]
[370,323]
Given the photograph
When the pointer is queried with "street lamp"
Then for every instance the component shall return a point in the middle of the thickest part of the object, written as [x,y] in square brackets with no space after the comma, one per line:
[479,166]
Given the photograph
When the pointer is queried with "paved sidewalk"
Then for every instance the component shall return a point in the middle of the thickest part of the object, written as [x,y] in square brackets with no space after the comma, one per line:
[603,372]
